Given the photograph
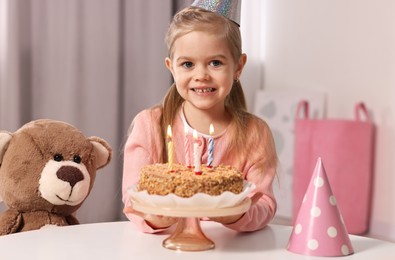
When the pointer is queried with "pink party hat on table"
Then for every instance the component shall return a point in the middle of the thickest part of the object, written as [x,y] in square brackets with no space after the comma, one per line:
[228,8]
[319,229]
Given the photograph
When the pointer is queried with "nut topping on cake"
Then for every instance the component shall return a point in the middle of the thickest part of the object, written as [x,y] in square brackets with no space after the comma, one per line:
[183,182]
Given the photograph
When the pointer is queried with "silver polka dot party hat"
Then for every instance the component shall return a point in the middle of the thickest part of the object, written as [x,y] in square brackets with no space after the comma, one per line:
[228,8]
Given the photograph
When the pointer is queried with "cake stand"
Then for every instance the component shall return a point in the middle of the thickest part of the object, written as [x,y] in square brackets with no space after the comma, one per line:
[188,235]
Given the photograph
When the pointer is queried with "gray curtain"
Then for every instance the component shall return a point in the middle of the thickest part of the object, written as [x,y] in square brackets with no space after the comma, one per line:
[92,63]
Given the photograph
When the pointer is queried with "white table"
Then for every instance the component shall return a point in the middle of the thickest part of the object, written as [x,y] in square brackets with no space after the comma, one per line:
[120,240]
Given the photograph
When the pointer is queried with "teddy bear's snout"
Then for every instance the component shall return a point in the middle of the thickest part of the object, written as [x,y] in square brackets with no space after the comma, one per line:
[70,174]
[64,182]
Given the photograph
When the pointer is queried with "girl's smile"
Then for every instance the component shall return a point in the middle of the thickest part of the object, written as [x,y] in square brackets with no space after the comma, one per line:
[203,90]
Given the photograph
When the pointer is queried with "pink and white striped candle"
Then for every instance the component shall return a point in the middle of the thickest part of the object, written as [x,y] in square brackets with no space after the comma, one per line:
[196,153]
[187,147]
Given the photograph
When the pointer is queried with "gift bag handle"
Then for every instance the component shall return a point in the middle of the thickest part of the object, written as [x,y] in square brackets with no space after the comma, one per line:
[359,109]
[303,106]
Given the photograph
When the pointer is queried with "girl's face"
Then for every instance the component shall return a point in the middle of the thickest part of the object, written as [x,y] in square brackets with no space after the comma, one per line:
[203,69]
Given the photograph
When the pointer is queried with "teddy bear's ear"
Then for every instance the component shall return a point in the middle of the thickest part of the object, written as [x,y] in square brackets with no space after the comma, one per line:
[5,138]
[103,151]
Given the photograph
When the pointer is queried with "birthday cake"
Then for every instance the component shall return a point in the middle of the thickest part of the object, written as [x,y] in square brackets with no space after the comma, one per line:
[184,182]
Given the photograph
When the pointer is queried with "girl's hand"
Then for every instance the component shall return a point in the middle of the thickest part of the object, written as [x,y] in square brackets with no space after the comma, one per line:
[154,221]
[235,218]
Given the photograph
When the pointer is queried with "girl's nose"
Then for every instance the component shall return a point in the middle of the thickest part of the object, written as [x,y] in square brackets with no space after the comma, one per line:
[201,73]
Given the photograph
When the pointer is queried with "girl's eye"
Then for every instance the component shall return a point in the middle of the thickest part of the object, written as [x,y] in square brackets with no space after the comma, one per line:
[58,157]
[215,63]
[187,64]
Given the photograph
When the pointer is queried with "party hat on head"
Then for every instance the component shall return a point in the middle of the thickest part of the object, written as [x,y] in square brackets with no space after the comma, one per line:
[228,8]
[319,229]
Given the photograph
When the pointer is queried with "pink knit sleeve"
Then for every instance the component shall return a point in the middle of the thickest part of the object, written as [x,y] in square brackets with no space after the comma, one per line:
[260,214]
[140,149]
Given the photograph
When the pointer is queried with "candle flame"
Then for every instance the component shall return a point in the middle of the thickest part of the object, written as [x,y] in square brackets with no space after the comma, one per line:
[195,135]
[211,129]
[169,131]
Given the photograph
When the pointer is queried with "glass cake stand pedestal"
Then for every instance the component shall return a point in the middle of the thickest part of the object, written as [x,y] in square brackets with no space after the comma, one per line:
[188,235]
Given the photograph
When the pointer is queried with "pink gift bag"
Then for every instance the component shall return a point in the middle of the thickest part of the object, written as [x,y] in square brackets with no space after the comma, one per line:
[347,149]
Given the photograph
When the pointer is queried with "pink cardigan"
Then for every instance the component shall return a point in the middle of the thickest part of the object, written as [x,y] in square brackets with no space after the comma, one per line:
[142,148]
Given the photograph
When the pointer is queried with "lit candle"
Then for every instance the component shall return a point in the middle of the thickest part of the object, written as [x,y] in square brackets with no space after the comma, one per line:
[170,148]
[210,147]
[196,154]
[187,147]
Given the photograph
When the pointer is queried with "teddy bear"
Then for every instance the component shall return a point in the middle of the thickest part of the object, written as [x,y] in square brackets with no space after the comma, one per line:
[47,170]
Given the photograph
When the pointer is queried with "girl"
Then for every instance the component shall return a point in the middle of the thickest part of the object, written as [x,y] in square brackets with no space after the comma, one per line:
[206,61]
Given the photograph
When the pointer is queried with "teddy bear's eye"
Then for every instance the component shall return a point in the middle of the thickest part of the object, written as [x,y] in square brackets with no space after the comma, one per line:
[58,157]
[77,159]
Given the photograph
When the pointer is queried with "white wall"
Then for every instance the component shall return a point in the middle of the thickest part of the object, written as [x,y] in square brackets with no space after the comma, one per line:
[345,48]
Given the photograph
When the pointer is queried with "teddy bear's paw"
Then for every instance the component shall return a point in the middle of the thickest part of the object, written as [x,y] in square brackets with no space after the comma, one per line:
[10,222]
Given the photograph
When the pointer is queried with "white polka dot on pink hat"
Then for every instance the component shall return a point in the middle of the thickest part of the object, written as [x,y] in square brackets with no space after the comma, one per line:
[319,229]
